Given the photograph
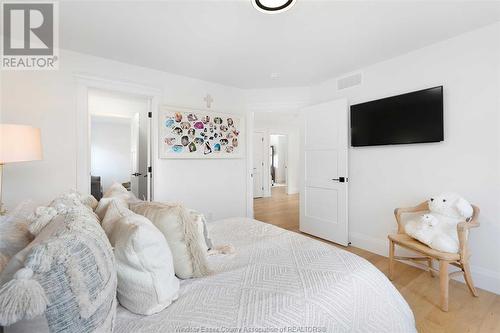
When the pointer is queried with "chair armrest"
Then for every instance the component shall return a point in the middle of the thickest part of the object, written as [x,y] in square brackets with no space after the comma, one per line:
[463,228]
[423,207]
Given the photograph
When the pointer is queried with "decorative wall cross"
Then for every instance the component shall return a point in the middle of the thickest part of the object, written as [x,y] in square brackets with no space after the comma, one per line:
[209,100]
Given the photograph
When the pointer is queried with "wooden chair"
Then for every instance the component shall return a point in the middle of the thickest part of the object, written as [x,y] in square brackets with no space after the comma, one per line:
[460,259]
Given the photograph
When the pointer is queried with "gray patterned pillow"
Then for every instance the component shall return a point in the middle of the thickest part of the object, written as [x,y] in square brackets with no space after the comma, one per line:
[67,274]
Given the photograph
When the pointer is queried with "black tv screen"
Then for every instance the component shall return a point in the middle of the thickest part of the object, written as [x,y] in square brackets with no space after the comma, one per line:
[414,117]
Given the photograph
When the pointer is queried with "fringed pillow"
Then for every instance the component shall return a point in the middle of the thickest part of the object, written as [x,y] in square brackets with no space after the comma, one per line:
[201,223]
[67,276]
[183,236]
[14,233]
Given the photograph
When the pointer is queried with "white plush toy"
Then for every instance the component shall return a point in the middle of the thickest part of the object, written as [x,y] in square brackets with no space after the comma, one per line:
[438,228]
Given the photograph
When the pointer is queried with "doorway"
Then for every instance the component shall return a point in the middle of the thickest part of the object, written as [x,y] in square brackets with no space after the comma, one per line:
[318,138]
[119,142]
[276,148]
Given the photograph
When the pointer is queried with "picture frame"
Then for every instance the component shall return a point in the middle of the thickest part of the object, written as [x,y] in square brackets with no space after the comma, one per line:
[187,133]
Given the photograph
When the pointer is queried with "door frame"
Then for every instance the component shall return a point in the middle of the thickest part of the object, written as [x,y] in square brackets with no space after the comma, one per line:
[83,84]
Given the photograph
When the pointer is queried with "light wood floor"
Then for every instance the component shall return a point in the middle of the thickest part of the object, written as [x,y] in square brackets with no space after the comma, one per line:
[466,313]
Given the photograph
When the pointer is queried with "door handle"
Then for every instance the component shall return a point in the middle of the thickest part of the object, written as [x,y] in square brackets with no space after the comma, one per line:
[137,174]
[341,179]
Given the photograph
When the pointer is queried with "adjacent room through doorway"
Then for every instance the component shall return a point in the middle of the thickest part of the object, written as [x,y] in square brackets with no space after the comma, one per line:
[119,131]
[275,169]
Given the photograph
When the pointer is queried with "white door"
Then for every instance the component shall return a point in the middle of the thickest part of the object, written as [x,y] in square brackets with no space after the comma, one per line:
[324,186]
[258,164]
[134,150]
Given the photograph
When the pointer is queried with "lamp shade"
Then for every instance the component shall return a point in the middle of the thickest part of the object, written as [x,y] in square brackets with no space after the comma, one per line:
[19,143]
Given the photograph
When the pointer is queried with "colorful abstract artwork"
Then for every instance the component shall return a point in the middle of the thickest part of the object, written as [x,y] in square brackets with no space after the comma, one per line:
[200,134]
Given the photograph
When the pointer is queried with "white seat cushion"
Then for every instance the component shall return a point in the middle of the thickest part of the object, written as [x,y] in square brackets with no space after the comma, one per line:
[146,277]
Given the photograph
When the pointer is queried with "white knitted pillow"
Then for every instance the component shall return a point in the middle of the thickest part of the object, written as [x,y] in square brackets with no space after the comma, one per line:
[73,199]
[146,277]
[183,234]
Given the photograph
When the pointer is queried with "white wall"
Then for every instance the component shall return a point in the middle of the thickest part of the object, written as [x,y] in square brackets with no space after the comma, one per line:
[47,99]
[110,150]
[286,124]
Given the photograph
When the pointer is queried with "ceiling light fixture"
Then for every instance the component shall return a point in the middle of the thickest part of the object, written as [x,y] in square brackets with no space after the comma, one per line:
[273,6]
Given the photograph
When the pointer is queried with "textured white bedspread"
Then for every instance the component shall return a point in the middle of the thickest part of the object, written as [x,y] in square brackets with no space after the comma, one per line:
[279,281]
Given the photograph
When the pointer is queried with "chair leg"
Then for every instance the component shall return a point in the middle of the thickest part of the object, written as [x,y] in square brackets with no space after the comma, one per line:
[429,263]
[444,281]
[468,279]
[391,259]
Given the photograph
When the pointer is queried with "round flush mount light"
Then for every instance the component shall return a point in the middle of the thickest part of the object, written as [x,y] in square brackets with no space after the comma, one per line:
[273,6]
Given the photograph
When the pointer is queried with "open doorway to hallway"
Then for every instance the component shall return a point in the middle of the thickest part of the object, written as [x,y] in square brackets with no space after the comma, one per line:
[119,144]
[275,169]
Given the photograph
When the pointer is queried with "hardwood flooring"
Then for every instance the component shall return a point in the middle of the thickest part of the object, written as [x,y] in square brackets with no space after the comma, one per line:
[466,313]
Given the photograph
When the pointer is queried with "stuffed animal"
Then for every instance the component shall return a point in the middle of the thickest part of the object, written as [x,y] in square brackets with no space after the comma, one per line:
[423,229]
[438,228]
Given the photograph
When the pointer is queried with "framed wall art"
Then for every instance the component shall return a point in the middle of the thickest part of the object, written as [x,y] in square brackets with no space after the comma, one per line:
[190,133]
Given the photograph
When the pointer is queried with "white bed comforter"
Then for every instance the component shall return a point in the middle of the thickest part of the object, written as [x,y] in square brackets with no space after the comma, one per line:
[279,281]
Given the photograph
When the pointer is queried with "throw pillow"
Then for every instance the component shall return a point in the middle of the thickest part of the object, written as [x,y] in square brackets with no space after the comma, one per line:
[146,277]
[116,192]
[14,233]
[182,234]
[66,276]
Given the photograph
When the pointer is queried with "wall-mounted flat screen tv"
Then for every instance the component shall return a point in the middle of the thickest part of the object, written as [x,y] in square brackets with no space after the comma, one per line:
[415,117]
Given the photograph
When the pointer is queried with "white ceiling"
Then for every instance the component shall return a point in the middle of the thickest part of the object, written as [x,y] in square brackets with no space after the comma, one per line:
[231,43]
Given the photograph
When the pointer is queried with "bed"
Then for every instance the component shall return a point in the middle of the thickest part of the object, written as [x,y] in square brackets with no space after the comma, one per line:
[279,281]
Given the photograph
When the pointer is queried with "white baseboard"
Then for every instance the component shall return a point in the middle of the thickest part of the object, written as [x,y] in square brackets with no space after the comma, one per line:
[483,278]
